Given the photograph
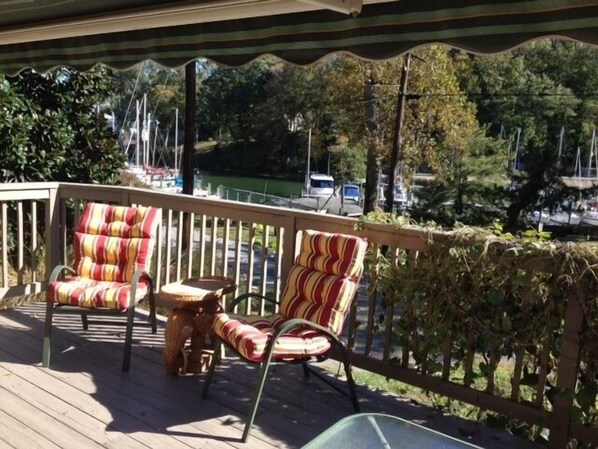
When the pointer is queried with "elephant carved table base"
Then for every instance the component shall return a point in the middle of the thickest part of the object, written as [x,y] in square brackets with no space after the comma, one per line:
[183,325]
[192,320]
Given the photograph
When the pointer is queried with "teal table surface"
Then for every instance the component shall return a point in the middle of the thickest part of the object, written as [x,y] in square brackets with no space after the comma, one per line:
[379,431]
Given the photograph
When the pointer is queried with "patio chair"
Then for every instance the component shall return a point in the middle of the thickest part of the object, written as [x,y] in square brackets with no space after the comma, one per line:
[317,296]
[112,252]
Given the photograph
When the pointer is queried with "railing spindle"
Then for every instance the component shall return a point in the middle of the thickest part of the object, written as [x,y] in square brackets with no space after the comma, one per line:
[34,243]
[264,267]
[63,234]
[190,248]
[4,244]
[238,246]
[21,244]
[213,245]
[179,244]
[202,245]
[408,312]
[225,244]
[389,313]
[250,262]
[167,262]
[159,244]
[517,371]
[278,274]
[369,336]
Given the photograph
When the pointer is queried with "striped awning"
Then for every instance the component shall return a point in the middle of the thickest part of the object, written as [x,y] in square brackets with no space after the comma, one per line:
[234,33]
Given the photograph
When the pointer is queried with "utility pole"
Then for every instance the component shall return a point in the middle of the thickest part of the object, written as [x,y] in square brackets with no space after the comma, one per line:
[373,153]
[397,135]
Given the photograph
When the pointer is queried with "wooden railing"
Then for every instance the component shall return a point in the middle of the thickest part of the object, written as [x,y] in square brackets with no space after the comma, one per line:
[256,245]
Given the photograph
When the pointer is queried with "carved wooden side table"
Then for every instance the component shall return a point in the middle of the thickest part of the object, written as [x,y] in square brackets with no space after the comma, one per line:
[194,302]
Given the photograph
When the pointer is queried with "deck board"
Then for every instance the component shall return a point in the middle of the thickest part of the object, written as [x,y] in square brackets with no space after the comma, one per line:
[84,400]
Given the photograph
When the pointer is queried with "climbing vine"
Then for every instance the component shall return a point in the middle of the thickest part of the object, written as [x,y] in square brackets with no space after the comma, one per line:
[477,298]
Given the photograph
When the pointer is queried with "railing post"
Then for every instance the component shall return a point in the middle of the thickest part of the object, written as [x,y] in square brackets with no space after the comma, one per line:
[288,248]
[53,243]
[568,366]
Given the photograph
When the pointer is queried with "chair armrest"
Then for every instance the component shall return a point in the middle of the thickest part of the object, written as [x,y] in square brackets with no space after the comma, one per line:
[245,296]
[58,270]
[296,322]
[137,278]
[139,274]
[300,322]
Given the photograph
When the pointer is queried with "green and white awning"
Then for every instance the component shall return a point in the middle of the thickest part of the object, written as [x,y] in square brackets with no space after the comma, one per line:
[42,34]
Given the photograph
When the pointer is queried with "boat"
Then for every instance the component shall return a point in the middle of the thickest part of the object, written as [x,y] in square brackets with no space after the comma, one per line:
[320,186]
[351,192]
[563,218]
[590,214]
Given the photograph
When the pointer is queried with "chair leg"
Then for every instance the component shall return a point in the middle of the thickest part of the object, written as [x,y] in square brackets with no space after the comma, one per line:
[257,395]
[84,321]
[128,338]
[305,370]
[152,316]
[47,349]
[350,381]
[212,368]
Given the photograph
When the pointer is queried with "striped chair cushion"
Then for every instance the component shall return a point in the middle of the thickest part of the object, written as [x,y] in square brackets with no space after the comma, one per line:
[249,335]
[112,242]
[323,281]
[317,297]
[337,254]
[84,292]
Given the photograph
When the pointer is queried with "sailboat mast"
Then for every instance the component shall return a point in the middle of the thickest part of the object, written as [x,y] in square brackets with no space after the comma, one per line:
[516,161]
[561,140]
[137,137]
[145,132]
[594,150]
[308,160]
[176,139]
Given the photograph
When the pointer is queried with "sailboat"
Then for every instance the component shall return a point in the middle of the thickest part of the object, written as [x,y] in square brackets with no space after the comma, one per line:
[590,214]
[566,214]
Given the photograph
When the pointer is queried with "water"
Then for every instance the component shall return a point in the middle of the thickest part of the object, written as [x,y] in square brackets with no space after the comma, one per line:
[268,186]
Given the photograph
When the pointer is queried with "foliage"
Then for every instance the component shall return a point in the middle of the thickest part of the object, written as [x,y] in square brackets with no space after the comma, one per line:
[52,128]
[462,116]
[478,298]
[469,190]
[538,89]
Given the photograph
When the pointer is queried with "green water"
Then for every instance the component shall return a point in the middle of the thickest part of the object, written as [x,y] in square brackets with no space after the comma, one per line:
[269,186]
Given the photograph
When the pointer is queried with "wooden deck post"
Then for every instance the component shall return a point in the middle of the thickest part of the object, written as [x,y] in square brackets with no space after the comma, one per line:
[53,234]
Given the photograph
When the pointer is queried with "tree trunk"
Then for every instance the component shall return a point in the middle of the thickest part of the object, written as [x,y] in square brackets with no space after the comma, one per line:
[188,157]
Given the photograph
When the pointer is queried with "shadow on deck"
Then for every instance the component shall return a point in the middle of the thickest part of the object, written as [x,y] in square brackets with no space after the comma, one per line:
[85,401]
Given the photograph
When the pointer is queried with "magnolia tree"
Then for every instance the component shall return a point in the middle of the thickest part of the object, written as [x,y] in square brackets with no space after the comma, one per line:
[52,128]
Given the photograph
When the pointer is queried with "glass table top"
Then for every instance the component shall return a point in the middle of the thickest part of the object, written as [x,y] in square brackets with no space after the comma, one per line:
[379,431]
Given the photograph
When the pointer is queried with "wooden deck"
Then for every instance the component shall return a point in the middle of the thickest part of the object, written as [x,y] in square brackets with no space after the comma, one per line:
[85,401]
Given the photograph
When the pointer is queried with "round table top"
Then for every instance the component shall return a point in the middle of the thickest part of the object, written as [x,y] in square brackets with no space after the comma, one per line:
[194,291]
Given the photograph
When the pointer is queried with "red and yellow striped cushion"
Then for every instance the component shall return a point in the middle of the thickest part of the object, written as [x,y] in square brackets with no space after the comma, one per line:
[249,335]
[112,242]
[323,281]
[319,288]
[317,297]
[89,293]
[337,254]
